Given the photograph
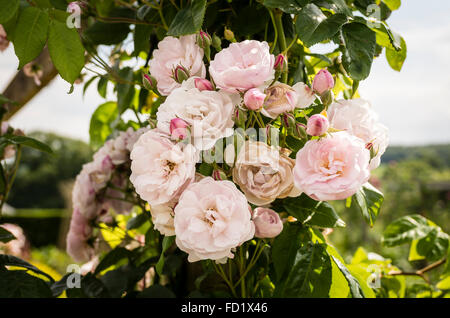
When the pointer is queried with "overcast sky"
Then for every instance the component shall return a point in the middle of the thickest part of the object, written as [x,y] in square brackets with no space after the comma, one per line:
[414,104]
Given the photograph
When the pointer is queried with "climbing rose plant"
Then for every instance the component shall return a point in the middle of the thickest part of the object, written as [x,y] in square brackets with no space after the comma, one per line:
[222,137]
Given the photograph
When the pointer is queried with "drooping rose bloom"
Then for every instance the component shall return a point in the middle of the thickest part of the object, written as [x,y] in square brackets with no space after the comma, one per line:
[357,117]
[212,218]
[283,98]
[242,66]
[4,42]
[162,218]
[263,173]
[77,238]
[332,168]
[161,169]
[208,113]
[172,52]
[268,223]
[20,246]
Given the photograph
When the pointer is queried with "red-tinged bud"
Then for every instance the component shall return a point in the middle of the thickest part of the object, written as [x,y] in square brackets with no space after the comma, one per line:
[203,40]
[219,175]
[280,63]
[369,145]
[239,117]
[323,82]
[180,74]
[203,84]
[149,82]
[317,125]
[179,129]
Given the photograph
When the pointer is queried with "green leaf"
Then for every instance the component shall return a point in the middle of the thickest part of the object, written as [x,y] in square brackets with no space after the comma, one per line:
[156,291]
[406,229]
[166,243]
[310,275]
[288,6]
[142,38]
[5,235]
[25,141]
[393,4]
[125,91]
[189,20]
[397,58]
[20,284]
[10,260]
[313,26]
[137,221]
[112,258]
[30,34]
[66,50]
[444,284]
[433,246]
[100,125]
[102,86]
[59,4]
[106,33]
[359,49]
[355,288]
[312,212]
[8,9]
[284,248]
[368,200]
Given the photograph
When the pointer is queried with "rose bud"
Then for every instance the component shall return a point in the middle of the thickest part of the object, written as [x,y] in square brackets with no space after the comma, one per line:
[229,35]
[216,42]
[203,39]
[180,74]
[149,82]
[239,117]
[280,63]
[268,223]
[254,99]
[179,129]
[317,125]
[323,81]
[203,84]
[219,175]
[4,42]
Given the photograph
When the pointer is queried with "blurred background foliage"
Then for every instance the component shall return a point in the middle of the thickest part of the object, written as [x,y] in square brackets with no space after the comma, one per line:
[415,180]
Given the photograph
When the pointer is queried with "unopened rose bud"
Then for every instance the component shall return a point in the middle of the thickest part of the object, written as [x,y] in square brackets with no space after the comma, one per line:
[216,42]
[219,175]
[229,35]
[149,82]
[4,42]
[280,63]
[288,120]
[323,81]
[203,84]
[317,125]
[180,74]
[268,223]
[299,130]
[239,117]
[203,39]
[179,129]
[254,99]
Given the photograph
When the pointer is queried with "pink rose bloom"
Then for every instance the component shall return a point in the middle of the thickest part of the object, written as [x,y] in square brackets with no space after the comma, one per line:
[254,99]
[77,239]
[4,42]
[268,223]
[212,218]
[208,113]
[283,98]
[332,168]
[357,117]
[162,218]
[161,169]
[242,66]
[172,52]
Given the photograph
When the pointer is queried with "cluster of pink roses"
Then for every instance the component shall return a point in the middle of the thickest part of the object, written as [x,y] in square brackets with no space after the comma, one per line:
[211,216]
[96,193]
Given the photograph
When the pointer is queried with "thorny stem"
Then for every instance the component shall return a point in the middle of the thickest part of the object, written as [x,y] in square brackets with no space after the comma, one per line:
[275,39]
[281,38]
